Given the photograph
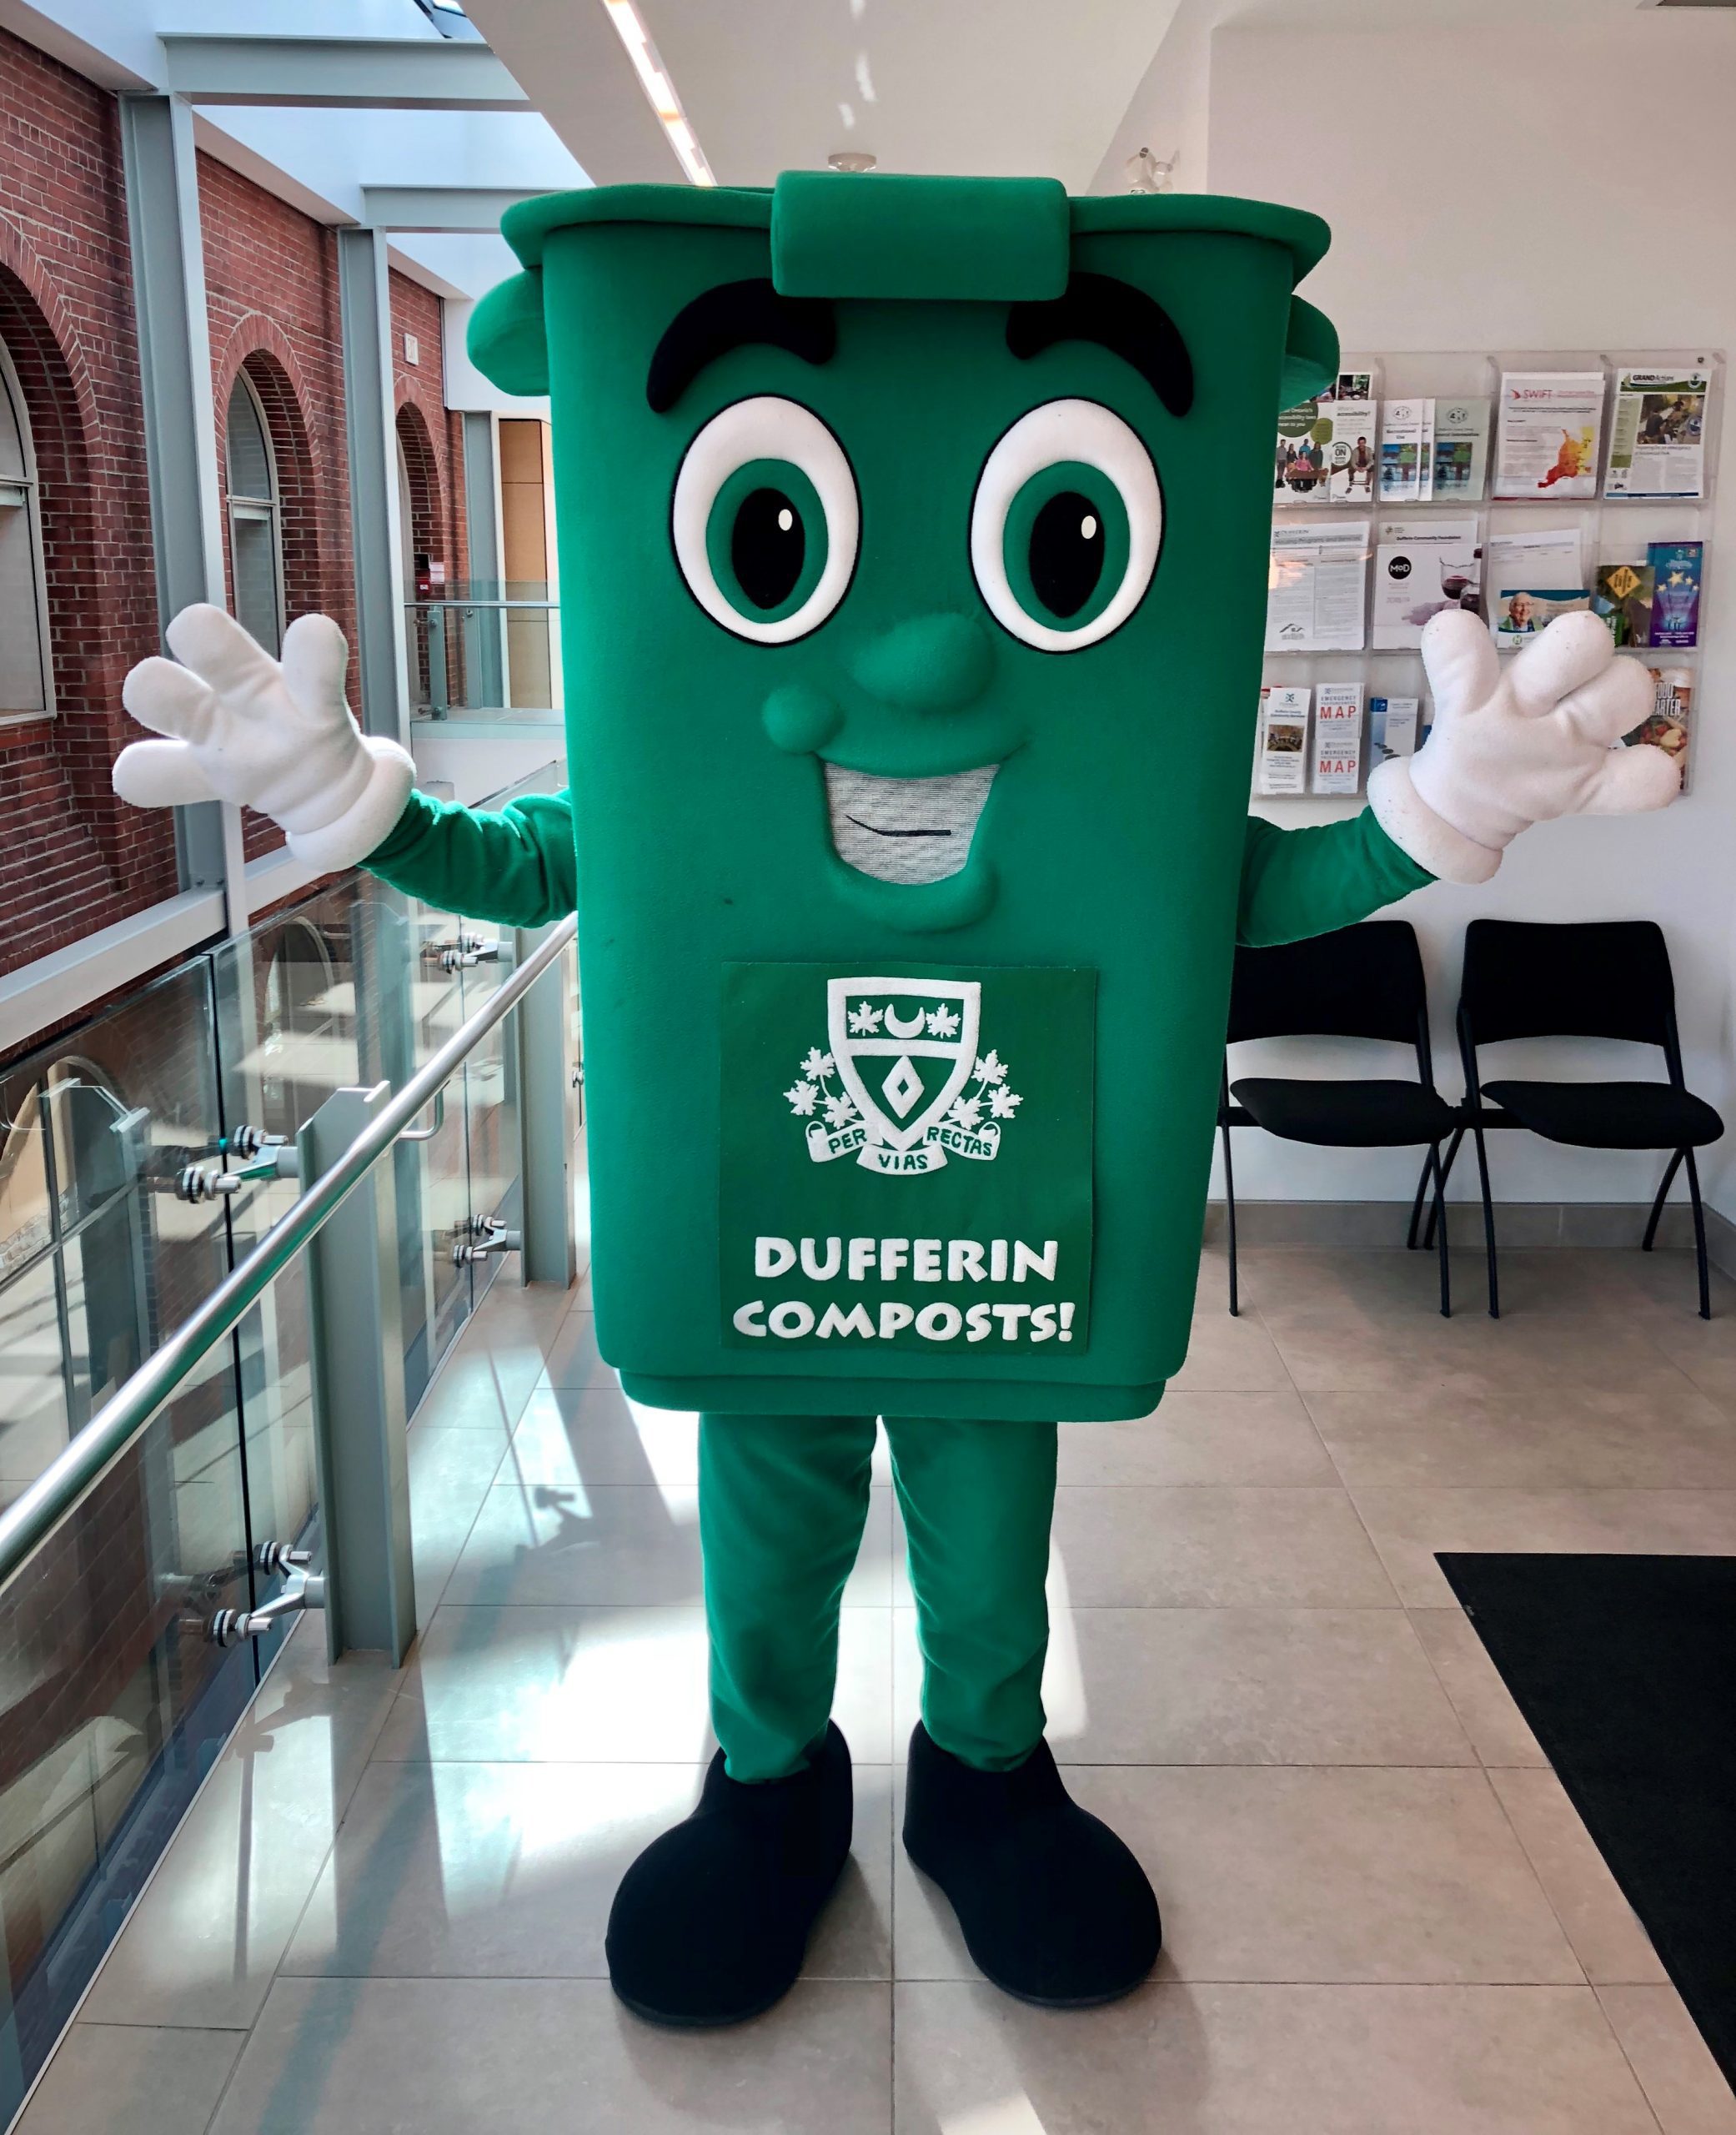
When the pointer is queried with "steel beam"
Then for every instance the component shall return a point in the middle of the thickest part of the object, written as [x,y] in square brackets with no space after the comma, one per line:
[548,1122]
[384,74]
[356,1353]
[477,208]
[377,539]
[180,428]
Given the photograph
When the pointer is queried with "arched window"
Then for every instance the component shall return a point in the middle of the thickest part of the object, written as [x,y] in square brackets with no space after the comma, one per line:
[256,548]
[25,683]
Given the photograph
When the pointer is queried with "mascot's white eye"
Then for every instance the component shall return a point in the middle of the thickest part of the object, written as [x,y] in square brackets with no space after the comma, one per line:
[1066,526]
[766,519]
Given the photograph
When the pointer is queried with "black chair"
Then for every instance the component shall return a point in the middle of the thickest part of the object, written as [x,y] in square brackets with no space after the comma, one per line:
[1361,982]
[1604,978]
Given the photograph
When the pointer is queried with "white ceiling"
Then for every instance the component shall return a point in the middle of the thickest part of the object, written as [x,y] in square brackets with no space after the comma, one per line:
[994,87]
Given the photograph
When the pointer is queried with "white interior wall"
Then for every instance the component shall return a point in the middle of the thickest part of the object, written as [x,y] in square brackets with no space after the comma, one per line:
[1572,193]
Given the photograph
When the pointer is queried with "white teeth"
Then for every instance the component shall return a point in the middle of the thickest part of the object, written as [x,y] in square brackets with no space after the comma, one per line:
[905,830]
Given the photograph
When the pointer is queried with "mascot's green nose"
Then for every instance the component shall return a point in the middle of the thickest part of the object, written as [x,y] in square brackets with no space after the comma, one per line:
[932,663]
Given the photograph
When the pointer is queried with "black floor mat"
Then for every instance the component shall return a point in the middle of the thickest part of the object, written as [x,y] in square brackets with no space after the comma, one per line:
[1626,1669]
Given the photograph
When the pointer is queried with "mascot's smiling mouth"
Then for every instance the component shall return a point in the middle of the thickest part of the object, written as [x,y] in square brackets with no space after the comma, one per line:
[905,830]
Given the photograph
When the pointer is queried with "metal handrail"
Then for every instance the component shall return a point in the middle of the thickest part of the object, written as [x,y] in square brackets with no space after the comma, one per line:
[29,1521]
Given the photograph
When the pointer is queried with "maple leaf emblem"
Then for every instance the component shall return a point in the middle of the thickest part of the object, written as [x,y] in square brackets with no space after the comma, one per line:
[1004,1104]
[802,1097]
[817,1063]
[942,1022]
[991,1068]
[864,1020]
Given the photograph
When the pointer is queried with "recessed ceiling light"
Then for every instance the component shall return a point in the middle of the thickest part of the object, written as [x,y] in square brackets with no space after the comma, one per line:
[852,160]
[654,78]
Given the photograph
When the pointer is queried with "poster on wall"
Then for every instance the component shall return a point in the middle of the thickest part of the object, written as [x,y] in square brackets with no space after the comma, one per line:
[1546,442]
[1656,434]
[905,1158]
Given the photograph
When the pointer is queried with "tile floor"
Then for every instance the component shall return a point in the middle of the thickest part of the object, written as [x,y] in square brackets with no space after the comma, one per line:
[386,1911]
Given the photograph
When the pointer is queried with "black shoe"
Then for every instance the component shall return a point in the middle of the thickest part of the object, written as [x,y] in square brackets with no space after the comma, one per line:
[711,1922]
[1053,1907]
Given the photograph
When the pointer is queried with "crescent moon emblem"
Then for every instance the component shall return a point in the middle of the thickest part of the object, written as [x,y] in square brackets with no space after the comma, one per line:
[913,1028]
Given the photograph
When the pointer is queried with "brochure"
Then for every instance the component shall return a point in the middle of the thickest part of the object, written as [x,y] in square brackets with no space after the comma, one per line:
[1337,737]
[1461,450]
[1522,611]
[1407,451]
[1352,445]
[1547,441]
[1623,597]
[1283,741]
[1676,594]
[1301,466]
[1656,434]
[1422,566]
[1315,601]
[1672,712]
[1392,728]
[1351,385]
[1546,555]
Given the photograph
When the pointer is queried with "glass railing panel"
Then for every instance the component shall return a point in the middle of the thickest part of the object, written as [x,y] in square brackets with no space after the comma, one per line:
[489,646]
[488,1088]
[113,1702]
[33,1410]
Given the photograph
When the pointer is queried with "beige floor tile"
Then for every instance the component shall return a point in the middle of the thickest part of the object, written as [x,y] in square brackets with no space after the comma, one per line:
[1660,1433]
[451,1472]
[1409,1526]
[1607,1939]
[106,2078]
[1244,1437]
[205,1938]
[1686,2090]
[1226,1355]
[632,1545]
[440,2056]
[593,1434]
[574,1358]
[599,1686]
[1499,1731]
[1223,2060]
[1229,1686]
[1216,1546]
[1287,1875]
[496,1870]
[480,1389]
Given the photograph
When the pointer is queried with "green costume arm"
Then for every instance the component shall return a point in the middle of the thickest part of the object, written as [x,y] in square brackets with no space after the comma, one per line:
[516,867]
[1295,883]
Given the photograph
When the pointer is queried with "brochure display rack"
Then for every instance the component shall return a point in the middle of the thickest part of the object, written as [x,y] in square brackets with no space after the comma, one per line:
[1521,484]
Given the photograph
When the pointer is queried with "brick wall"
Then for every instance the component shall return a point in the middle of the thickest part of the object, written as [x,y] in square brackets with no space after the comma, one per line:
[271,293]
[71,858]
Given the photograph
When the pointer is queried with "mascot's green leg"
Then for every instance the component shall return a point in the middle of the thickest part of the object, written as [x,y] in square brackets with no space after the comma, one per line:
[711,1921]
[1053,1907]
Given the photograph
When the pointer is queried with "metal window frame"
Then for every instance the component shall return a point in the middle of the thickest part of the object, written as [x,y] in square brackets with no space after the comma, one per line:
[241,504]
[13,390]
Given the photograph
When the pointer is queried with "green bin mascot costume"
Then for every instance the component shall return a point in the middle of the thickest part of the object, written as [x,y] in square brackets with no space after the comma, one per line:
[913,538]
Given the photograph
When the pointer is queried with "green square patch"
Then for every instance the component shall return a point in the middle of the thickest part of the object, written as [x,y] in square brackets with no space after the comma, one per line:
[906,1160]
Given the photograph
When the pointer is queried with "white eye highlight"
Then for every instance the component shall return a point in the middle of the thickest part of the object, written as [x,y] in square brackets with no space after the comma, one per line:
[766,519]
[1066,526]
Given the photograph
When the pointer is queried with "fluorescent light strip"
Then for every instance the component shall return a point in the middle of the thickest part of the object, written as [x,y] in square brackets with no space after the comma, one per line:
[659,90]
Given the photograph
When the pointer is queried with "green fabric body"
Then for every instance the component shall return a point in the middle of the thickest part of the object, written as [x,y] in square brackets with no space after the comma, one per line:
[1114,839]
[782,1504]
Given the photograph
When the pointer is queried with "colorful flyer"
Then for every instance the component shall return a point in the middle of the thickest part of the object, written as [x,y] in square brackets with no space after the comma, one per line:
[1421,565]
[1337,737]
[1283,741]
[1407,451]
[1676,592]
[1460,450]
[1546,444]
[1623,597]
[1520,612]
[1656,434]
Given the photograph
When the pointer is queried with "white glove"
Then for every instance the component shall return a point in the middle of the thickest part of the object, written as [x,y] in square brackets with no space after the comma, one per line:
[1518,739]
[275,737]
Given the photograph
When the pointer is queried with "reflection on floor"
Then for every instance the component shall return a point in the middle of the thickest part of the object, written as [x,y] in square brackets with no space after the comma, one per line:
[387,1910]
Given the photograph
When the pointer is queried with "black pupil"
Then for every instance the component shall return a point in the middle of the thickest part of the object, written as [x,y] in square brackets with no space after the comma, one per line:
[767,547]
[1066,552]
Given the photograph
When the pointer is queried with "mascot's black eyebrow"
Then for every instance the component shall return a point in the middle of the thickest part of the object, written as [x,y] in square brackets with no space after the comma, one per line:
[1118,317]
[734,316]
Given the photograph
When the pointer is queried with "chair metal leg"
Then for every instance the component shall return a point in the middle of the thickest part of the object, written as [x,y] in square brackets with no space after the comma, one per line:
[1440,1211]
[1699,1233]
[1488,1223]
[1453,1150]
[1223,1129]
[1431,1158]
[1670,1170]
